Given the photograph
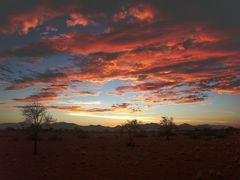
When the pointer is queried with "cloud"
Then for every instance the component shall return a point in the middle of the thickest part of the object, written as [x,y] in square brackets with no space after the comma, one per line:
[148,86]
[86,93]
[41,96]
[161,47]
[113,108]
[122,108]
[55,88]
[176,98]
[46,77]
[34,50]
[198,77]
[77,102]
[77,19]
[22,16]
[54,92]
[204,74]
[143,12]
[120,38]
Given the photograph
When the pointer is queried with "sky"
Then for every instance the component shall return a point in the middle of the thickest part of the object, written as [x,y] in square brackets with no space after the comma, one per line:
[105,62]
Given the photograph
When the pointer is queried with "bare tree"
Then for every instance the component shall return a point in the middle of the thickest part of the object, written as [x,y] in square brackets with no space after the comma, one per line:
[36,115]
[131,127]
[166,126]
[49,119]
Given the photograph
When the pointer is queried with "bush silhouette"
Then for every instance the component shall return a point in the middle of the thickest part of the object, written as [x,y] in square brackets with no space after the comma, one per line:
[131,127]
[166,127]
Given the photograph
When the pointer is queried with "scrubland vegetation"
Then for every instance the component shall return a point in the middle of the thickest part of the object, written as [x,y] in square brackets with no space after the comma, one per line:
[129,153]
[165,151]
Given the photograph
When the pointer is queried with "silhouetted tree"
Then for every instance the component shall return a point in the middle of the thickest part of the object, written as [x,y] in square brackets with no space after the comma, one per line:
[166,126]
[131,127]
[48,121]
[35,115]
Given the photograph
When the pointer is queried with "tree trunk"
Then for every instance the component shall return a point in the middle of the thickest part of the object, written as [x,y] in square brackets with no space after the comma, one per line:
[36,142]
[167,137]
[35,147]
[131,142]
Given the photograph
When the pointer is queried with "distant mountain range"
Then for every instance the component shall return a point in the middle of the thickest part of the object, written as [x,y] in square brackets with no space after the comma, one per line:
[148,127]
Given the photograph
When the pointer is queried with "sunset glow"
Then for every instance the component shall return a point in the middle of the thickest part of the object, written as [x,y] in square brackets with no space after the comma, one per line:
[105,63]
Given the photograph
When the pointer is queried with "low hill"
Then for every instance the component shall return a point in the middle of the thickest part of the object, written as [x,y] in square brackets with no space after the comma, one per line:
[147,127]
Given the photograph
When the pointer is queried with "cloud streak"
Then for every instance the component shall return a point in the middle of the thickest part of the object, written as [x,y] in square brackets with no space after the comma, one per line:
[167,51]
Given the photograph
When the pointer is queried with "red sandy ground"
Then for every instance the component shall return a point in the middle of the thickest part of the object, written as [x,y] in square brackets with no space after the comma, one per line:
[106,156]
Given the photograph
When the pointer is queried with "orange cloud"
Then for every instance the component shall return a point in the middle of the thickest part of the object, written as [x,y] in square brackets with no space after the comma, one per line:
[27,18]
[77,19]
[143,12]
[41,96]
[55,88]
[113,108]
[158,56]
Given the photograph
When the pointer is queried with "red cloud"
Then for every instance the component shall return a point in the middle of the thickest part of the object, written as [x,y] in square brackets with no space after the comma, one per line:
[41,96]
[143,12]
[49,93]
[160,56]
[54,92]
[148,86]
[132,108]
[26,18]
[77,19]
[120,38]
[188,99]
[21,16]
[55,88]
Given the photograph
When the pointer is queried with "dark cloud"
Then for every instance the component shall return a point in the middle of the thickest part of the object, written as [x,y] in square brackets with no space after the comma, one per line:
[177,98]
[211,65]
[21,16]
[26,14]
[161,46]
[41,96]
[219,11]
[47,77]
[86,93]
[148,86]
[34,50]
